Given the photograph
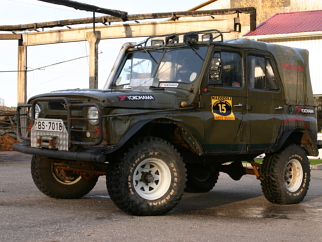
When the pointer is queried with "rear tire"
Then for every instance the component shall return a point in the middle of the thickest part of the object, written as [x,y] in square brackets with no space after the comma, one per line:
[56,182]
[285,176]
[148,179]
[200,178]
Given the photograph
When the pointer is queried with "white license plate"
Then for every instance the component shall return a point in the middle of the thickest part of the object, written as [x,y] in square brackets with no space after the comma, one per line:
[49,125]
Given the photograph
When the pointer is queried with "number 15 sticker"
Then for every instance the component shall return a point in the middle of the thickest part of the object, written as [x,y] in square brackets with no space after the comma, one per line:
[222,108]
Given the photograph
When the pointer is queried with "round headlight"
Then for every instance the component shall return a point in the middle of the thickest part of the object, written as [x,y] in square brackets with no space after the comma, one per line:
[37,111]
[93,115]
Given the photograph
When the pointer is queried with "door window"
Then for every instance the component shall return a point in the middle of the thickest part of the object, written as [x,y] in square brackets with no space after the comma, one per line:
[261,74]
[230,70]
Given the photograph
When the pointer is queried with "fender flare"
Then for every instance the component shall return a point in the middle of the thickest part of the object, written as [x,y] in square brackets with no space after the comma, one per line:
[132,131]
[307,141]
[187,135]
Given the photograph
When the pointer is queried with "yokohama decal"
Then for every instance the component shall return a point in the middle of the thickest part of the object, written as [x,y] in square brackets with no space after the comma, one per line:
[136,98]
[305,110]
[291,67]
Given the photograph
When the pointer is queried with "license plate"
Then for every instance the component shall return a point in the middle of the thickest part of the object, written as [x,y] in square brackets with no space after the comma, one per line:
[49,125]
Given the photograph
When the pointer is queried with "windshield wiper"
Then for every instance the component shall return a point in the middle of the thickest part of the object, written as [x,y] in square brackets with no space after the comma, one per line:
[194,50]
[146,51]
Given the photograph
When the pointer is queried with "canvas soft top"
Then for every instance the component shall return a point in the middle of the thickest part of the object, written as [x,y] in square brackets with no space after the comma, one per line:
[293,67]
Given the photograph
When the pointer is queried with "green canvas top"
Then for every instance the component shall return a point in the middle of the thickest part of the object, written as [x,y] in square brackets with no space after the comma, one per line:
[293,67]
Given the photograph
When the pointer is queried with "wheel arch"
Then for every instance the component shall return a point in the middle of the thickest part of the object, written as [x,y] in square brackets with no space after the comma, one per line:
[302,137]
[179,134]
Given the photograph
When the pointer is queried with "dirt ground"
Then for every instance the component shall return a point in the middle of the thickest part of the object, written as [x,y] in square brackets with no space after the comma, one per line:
[6,143]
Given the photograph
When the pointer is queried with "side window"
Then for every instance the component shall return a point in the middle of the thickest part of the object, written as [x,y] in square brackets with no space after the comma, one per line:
[260,73]
[230,70]
[271,79]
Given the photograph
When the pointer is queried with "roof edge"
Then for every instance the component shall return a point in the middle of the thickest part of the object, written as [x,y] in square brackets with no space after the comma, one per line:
[290,35]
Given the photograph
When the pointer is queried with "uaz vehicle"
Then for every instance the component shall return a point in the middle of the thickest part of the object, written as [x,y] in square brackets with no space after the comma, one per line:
[175,111]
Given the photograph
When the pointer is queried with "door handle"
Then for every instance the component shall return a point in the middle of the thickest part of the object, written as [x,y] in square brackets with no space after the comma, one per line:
[279,108]
[238,105]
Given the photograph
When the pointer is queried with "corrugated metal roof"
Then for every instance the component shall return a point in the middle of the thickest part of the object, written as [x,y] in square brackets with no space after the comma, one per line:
[287,23]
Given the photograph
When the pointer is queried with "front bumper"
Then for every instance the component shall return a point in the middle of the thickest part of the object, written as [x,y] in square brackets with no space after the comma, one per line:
[89,154]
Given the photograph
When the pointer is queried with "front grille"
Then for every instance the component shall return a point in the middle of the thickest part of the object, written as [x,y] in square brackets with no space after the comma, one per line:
[63,117]
[77,134]
[74,118]
[76,121]
[60,105]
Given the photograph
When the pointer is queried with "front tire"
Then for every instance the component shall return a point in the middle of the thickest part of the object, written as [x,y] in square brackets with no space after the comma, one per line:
[148,179]
[285,176]
[59,183]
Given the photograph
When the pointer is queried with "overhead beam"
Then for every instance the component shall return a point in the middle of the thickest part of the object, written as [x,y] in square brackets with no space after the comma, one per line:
[10,36]
[88,7]
[135,17]
[125,31]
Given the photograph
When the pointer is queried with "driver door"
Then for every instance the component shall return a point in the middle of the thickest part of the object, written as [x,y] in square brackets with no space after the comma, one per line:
[224,105]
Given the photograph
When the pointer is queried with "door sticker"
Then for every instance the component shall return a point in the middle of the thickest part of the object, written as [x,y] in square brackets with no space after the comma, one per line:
[222,108]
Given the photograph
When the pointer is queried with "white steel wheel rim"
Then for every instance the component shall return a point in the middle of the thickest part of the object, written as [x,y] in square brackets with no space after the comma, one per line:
[64,178]
[152,178]
[293,175]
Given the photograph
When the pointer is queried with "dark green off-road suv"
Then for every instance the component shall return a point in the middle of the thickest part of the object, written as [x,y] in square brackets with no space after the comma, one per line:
[175,112]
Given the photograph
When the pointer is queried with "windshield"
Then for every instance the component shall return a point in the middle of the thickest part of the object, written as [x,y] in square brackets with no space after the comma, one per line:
[180,65]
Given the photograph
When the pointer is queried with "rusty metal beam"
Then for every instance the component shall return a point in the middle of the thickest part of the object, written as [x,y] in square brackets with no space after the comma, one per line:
[135,17]
[88,7]
[202,5]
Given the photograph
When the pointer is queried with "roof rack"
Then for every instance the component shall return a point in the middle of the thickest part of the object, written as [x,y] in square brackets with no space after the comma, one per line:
[189,37]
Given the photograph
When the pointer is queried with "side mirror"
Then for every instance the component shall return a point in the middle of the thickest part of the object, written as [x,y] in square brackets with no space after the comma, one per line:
[215,69]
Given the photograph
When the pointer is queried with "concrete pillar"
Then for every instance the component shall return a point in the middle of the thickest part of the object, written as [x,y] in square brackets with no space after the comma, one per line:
[93,39]
[22,73]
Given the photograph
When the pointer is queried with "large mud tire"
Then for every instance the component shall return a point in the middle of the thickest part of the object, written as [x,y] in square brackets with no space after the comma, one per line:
[148,179]
[285,176]
[58,183]
[201,178]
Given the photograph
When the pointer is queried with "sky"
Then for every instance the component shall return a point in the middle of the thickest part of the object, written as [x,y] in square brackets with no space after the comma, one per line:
[70,74]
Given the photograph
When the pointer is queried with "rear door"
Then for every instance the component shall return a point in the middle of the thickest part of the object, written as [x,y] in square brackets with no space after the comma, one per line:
[265,102]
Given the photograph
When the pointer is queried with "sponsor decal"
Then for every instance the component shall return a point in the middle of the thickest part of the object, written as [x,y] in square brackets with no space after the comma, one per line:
[168,85]
[136,98]
[222,108]
[305,110]
[291,67]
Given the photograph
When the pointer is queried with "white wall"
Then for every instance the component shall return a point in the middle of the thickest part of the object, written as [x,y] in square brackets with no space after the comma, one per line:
[304,5]
[314,46]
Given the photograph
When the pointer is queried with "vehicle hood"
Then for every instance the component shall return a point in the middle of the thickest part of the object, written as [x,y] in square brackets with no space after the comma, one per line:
[123,98]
